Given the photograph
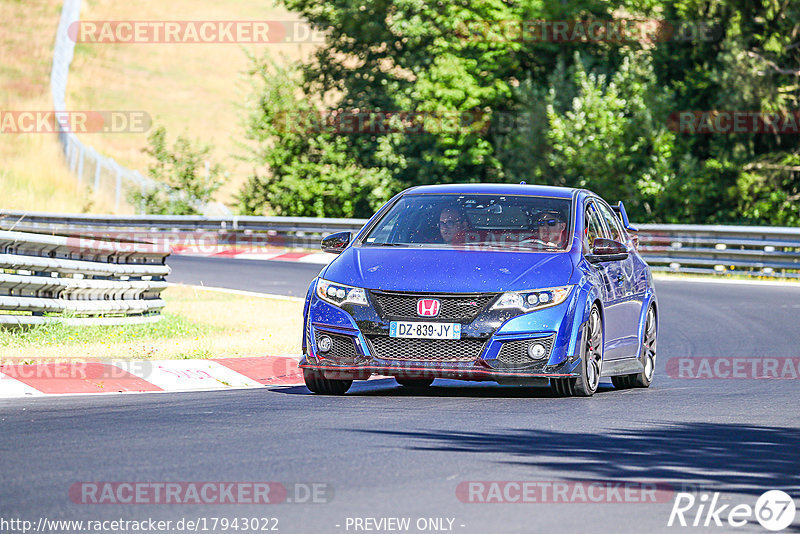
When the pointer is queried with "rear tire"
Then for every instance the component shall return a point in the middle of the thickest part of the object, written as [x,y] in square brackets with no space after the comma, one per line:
[414,382]
[647,355]
[591,361]
[317,383]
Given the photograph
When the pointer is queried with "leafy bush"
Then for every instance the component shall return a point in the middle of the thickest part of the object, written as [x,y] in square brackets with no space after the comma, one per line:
[186,181]
[301,166]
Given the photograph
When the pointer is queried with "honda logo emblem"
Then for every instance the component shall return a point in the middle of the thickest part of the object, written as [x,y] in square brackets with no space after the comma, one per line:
[427,307]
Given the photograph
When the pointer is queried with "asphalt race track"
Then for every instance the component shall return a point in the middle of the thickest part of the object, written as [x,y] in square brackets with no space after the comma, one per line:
[277,277]
[382,451]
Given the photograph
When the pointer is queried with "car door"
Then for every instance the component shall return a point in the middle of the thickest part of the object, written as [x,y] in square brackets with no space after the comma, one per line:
[609,274]
[630,305]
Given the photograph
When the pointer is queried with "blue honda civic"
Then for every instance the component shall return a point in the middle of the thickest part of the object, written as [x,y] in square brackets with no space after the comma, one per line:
[517,284]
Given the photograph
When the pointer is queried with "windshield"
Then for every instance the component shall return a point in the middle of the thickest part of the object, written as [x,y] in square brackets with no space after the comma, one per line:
[505,222]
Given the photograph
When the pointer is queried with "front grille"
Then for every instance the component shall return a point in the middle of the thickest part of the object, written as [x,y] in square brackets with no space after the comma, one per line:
[515,353]
[456,308]
[426,350]
[343,348]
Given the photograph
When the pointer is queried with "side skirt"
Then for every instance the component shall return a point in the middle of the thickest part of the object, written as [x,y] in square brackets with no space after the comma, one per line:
[626,366]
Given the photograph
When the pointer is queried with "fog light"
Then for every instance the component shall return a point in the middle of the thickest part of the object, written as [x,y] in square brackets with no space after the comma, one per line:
[324,343]
[536,351]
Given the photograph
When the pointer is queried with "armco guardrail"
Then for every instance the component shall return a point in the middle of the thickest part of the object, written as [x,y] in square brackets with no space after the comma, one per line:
[291,232]
[78,281]
[750,250]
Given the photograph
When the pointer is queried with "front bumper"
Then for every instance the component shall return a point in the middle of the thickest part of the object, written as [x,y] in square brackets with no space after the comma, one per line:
[497,343]
[474,372]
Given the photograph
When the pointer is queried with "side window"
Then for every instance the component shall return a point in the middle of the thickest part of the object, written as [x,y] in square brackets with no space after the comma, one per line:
[593,228]
[612,222]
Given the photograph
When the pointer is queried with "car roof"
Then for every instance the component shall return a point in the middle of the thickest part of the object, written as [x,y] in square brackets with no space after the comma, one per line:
[495,189]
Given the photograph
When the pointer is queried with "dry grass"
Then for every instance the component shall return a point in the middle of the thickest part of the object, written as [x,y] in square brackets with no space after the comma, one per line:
[248,325]
[33,173]
[192,89]
[198,324]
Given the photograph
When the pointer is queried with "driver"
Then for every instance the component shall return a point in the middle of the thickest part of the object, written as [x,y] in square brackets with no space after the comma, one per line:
[453,225]
[551,226]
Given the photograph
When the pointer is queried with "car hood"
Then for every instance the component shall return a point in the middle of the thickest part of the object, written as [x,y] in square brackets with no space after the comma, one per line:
[448,271]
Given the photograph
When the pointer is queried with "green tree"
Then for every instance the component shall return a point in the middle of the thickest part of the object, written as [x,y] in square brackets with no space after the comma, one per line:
[750,63]
[613,137]
[581,113]
[186,183]
[302,165]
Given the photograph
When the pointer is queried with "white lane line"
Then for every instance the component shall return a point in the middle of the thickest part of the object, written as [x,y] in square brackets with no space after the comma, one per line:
[257,256]
[11,387]
[776,283]
[183,375]
[107,393]
[320,258]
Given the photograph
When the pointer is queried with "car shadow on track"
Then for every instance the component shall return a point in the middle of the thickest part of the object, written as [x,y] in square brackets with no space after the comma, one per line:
[387,387]
[694,456]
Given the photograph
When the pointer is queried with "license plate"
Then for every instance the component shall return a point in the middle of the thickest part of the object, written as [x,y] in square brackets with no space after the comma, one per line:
[425,330]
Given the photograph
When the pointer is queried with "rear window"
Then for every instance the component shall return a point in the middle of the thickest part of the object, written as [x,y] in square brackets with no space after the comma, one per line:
[505,222]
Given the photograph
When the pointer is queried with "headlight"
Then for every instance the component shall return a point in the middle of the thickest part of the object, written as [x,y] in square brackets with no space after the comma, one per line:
[532,300]
[338,294]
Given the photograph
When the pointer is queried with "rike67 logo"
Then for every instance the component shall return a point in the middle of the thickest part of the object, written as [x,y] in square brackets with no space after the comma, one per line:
[774,510]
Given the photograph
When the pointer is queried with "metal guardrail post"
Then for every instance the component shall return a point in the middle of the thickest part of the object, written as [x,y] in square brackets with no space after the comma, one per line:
[81,159]
[118,188]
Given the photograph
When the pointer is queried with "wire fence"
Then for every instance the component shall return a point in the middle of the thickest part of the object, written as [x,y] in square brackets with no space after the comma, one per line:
[102,173]
[90,167]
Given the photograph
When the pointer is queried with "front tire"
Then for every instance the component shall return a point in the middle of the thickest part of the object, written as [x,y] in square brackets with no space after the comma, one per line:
[317,383]
[647,355]
[591,361]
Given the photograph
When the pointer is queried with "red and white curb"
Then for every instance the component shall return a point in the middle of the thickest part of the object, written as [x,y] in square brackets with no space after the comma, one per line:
[139,376]
[320,258]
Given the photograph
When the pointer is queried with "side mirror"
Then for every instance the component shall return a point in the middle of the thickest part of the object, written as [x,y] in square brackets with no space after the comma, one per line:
[607,250]
[336,243]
